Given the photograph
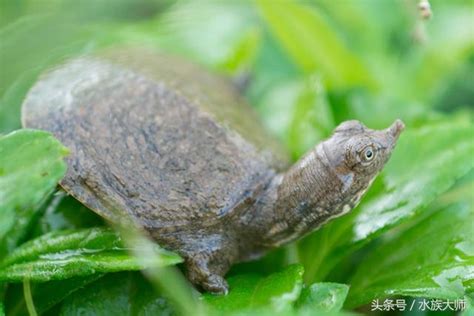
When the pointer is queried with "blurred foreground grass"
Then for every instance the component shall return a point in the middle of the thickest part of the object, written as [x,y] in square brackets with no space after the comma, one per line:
[311,65]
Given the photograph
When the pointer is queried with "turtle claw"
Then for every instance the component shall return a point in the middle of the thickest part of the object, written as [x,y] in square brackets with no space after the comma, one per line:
[201,274]
[216,285]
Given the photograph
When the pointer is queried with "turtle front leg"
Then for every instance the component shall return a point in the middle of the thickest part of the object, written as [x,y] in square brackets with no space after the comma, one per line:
[207,271]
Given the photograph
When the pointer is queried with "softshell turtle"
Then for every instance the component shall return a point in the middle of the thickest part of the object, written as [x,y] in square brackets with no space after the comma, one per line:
[159,141]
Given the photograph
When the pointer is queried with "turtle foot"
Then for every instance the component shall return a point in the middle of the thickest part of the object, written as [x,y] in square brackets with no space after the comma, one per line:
[216,285]
[201,274]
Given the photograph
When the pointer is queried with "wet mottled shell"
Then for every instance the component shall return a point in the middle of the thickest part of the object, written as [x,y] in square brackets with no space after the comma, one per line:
[152,137]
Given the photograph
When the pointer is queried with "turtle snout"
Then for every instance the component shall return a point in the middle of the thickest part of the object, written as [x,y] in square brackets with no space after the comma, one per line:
[396,129]
[393,132]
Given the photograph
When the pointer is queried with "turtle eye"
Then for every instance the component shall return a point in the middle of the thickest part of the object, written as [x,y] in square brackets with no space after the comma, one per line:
[368,153]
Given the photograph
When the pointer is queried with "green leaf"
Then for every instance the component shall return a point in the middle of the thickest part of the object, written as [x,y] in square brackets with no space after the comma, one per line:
[323,297]
[469,311]
[434,258]
[117,294]
[27,47]
[45,295]
[31,165]
[2,310]
[250,291]
[312,119]
[33,161]
[299,113]
[426,163]
[312,43]
[432,73]
[65,212]
[169,280]
[10,101]
[65,254]
[243,55]
[228,25]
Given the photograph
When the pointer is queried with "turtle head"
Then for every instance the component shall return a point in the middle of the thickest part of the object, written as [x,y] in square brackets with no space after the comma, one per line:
[356,154]
[329,180]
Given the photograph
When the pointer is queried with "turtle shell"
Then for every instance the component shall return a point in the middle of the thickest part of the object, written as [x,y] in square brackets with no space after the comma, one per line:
[153,138]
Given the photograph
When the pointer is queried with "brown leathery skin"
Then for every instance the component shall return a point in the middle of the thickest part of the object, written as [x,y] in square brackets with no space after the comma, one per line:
[190,163]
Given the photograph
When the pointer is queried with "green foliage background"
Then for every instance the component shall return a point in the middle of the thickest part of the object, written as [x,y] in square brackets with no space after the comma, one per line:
[311,64]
